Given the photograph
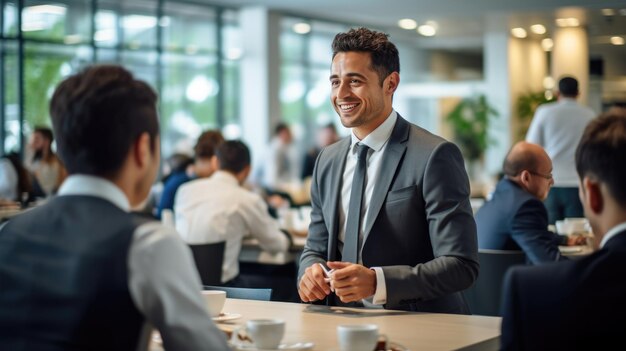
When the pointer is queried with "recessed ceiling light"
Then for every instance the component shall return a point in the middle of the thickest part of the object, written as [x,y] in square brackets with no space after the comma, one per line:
[407,23]
[519,32]
[567,22]
[617,40]
[547,44]
[301,28]
[608,12]
[538,29]
[428,30]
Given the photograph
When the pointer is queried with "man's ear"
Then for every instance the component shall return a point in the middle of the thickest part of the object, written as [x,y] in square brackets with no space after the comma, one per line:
[142,150]
[391,83]
[592,195]
[215,163]
[524,177]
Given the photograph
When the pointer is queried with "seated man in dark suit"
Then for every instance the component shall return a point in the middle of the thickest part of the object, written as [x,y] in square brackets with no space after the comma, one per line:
[81,272]
[579,304]
[515,218]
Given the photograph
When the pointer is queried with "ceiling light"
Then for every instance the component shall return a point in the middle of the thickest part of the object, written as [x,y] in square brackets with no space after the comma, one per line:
[548,83]
[547,44]
[608,12]
[567,22]
[428,29]
[301,28]
[617,40]
[538,29]
[407,23]
[519,32]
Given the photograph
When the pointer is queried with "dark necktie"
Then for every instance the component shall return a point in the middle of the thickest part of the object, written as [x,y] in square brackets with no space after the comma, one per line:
[353,223]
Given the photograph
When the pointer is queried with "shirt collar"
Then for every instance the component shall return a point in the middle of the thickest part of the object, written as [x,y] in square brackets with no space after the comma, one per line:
[379,136]
[95,186]
[620,228]
[225,177]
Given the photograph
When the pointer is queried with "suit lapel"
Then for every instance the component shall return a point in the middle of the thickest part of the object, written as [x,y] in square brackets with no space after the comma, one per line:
[336,180]
[391,159]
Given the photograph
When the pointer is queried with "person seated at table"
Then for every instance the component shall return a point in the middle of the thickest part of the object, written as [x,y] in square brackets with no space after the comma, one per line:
[218,209]
[579,304]
[82,273]
[15,184]
[515,217]
[47,169]
[202,168]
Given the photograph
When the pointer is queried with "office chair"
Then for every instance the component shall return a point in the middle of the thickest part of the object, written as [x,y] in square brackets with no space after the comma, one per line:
[485,295]
[209,259]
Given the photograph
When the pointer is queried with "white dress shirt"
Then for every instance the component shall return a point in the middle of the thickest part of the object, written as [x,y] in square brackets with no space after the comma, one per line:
[377,142]
[163,282]
[217,209]
[558,127]
[618,229]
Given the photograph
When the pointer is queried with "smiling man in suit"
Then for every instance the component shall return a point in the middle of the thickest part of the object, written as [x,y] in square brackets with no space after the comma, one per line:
[391,213]
[579,304]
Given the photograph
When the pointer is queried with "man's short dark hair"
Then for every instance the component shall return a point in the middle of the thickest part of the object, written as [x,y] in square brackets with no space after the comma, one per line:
[233,155]
[601,153]
[207,142]
[516,162]
[98,114]
[568,86]
[384,54]
[280,127]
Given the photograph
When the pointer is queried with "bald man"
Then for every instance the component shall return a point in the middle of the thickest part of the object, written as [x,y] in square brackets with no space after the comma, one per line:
[515,218]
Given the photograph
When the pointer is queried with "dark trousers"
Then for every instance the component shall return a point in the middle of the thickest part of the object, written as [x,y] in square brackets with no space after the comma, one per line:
[563,203]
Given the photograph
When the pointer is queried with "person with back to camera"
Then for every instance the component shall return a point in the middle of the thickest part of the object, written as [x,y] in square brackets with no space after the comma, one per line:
[579,304]
[82,273]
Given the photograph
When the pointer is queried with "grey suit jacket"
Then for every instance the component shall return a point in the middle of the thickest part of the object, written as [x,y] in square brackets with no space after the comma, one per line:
[420,228]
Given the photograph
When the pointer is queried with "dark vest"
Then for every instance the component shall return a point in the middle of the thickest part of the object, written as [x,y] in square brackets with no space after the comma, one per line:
[64,278]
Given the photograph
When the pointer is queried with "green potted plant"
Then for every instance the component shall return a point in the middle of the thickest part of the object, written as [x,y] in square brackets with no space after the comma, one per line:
[470,123]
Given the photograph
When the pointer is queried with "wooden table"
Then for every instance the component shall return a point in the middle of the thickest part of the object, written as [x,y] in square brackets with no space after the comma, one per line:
[415,331]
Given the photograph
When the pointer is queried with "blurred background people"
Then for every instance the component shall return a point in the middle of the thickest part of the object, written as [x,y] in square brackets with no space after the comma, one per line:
[281,167]
[515,217]
[15,184]
[326,135]
[557,127]
[202,167]
[45,166]
[219,208]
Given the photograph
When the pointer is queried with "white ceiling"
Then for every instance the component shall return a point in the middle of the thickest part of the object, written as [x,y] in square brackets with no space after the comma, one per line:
[461,22]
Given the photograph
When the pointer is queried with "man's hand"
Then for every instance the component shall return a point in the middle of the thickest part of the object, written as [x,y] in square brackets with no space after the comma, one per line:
[312,285]
[352,282]
[574,240]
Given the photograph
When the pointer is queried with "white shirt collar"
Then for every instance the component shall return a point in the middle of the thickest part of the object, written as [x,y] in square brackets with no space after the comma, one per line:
[379,136]
[620,228]
[225,177]
[81,184]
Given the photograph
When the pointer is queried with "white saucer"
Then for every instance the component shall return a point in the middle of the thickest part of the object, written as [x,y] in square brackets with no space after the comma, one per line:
[225,316]
[298,346]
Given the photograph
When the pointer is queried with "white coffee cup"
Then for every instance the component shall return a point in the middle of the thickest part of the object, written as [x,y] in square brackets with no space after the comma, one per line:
[266,333]
[576,225]
[215,300]
[357,337]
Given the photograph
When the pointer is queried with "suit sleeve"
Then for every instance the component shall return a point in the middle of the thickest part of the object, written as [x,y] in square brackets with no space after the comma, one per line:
[316,247]
[452,232]
[529,230]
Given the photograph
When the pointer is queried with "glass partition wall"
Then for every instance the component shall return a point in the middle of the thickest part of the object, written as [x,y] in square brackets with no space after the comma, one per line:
[188,52]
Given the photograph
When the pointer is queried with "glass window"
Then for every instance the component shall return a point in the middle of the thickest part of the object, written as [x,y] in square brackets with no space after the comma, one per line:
[232,52]
[133,24]
[44,67]
[188,99]
[9,19]
[189,28]
[65,21]
[11,99]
